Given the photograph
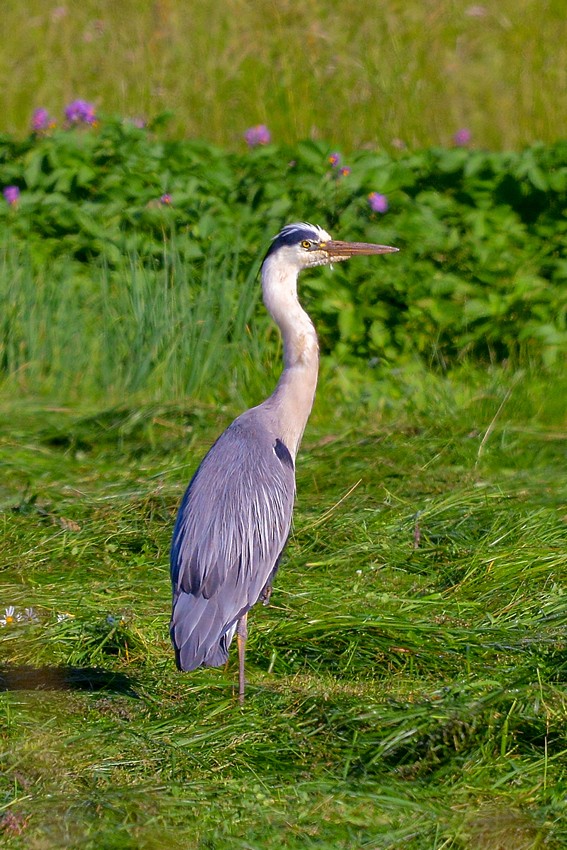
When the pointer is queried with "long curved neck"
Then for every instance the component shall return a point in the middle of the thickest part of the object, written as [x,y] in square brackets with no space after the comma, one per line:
[292,399]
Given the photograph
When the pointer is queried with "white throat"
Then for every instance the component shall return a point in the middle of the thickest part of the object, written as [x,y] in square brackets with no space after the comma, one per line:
[292,399]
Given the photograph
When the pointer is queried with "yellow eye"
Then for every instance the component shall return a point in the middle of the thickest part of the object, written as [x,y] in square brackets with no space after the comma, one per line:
[306,244]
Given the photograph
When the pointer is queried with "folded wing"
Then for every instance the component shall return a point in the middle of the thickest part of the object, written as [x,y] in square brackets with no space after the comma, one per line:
[232,526]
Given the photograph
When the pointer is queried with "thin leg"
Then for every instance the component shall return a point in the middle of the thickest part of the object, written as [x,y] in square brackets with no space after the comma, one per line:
[241,635]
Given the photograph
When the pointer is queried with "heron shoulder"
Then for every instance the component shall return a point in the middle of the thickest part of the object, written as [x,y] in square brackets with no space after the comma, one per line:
[257,432]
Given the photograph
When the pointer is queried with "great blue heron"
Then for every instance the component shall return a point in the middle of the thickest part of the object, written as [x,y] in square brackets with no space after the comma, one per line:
[235,516]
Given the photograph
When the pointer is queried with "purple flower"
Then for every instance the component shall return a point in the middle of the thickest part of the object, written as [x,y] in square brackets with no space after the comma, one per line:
[462,137]
[80,112]
[12,195]
[42,121]
[165,199]
[335,159]
[258,135]
[345,171]
[378,202]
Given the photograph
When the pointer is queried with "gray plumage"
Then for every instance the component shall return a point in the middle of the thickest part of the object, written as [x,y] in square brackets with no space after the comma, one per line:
[235,516]
[232,527]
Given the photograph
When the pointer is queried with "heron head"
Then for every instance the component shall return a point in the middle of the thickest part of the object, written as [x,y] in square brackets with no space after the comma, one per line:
[305,245]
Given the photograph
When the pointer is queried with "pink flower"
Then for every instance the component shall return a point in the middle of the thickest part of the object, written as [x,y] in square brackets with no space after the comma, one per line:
[378,202]
[165,199]
[42,121]
[11,195]
[462,137]
[335,159]
[345,171]
[258,135]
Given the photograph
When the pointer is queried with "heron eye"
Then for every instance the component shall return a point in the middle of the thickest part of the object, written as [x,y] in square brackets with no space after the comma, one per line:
[306,244]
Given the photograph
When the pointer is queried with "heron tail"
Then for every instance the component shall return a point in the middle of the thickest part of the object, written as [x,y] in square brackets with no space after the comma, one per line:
[198,633]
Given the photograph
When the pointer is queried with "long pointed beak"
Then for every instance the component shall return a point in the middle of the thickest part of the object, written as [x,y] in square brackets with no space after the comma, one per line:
[344,250]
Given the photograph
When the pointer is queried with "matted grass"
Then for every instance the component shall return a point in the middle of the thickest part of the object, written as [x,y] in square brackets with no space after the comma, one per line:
[406,686]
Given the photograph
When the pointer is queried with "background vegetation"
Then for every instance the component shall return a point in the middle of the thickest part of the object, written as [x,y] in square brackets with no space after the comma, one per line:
[128,260]
[407,683]
[354,74]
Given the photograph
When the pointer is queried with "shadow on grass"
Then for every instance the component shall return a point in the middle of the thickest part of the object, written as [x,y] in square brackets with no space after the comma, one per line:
[25,677]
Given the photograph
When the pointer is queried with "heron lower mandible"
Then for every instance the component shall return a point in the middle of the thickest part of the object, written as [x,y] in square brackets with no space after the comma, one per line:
[235,516]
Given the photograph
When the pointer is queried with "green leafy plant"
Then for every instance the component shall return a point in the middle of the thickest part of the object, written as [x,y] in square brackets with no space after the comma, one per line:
[116,209]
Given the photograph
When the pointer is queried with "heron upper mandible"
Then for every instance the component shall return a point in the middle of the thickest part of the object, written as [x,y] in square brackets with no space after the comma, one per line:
[235,516]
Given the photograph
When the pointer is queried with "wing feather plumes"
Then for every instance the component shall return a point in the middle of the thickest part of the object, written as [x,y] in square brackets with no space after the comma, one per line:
[232,525]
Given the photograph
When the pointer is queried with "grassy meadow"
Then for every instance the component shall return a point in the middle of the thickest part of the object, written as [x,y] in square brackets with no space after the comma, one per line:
[406,685]
[356,74]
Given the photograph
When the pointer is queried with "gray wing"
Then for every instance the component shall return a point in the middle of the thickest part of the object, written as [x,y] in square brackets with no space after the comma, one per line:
[232,526]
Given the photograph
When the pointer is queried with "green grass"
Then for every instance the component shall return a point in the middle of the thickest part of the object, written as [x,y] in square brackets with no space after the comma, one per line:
[406,685]
[163,329]
[353,74]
